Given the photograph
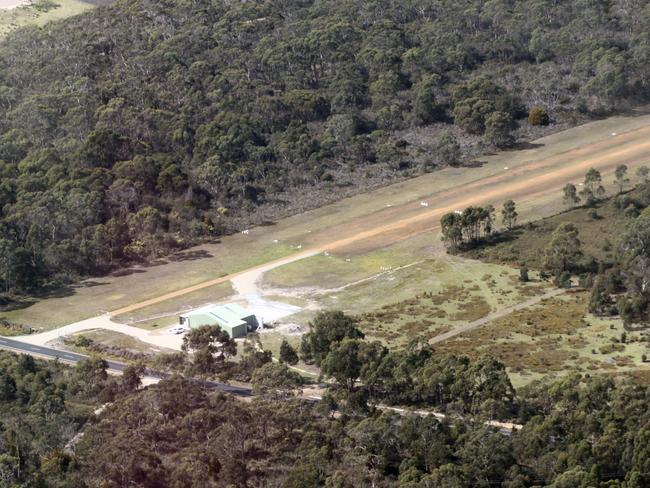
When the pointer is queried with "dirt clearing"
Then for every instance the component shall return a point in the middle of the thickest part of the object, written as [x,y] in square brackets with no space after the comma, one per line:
[364,222]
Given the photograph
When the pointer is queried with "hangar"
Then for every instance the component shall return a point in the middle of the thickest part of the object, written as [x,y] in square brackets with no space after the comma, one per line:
[233,318]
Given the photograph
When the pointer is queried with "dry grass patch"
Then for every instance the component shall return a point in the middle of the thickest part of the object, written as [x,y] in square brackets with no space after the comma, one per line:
[12,19]
[554,336]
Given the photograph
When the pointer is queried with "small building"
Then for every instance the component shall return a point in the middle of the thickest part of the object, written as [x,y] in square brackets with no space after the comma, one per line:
[233,318]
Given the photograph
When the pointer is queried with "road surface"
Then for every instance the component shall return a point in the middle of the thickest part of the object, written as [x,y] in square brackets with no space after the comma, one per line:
[49,353]
[73,358]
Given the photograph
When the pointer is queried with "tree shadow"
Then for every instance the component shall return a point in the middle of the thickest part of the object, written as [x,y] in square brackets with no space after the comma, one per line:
[154,263]
[473,163]
[525,145]
[495,239]
[55,292]
[89,284]
[190,255]
[126,272]
[9,305]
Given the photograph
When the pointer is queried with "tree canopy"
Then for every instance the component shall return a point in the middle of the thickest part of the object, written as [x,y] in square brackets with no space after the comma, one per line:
[138,128]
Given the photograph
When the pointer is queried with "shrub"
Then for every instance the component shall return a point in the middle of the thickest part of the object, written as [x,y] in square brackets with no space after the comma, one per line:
[287,353]
[563,280]
[631,211]
[523,275]
[538,116]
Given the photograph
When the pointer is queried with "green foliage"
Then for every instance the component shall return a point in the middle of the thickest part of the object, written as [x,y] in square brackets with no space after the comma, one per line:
[467,228]
[600,301]
[592,189]
[447,150]
[523,275]
[621,176]
[570,197]
[642,173]
[498,130]
[327,329]
[287,353]
[538,116]
[509,214]
[576,431]
[633,255]
[164,112]
[44,404]
[211,348]
[132,377]
[564,250]
[477,101]
[424,109]
[275,380]
[343,363]
[45,5]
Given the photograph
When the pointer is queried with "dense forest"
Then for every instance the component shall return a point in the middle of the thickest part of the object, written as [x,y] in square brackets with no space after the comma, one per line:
[44,405]
[578,431]
[575,431]
[149,125]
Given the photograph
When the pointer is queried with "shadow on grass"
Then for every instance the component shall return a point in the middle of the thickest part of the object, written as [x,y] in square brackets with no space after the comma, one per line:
[89,284]
[11,303]
[495,239]
[190,255]
[525,145]
[126,272]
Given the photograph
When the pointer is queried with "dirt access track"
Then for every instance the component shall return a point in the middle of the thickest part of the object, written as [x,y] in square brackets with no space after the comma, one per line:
[523,176]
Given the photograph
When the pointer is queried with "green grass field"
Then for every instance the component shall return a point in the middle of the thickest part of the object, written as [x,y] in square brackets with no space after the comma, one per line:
[166,313]
[13,19]
[100,295]
[396,298]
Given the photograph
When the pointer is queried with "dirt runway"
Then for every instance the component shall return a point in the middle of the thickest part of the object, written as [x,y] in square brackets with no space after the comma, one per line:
[521,184]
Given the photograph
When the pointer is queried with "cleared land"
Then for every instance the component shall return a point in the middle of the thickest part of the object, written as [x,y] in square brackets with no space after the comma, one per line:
[466,292]
[15,14]
[118,345]
[367,222]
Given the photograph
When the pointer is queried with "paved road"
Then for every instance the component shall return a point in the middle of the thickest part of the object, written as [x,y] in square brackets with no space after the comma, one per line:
[73,357]
[49,353]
